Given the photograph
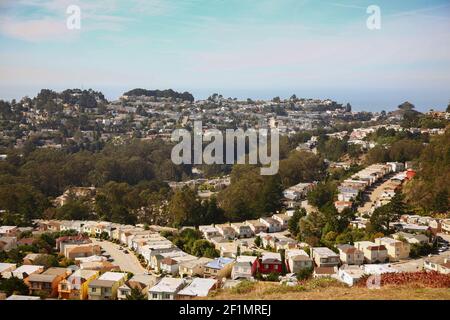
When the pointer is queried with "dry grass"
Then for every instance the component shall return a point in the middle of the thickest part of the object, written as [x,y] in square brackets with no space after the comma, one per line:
[327,289]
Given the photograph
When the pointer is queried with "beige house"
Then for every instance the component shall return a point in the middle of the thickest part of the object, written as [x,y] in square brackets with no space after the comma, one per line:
[193,268]
[373,253]
[106,287]
[437,263]
[324,257]
[350,255]
[297,259]
[396,249]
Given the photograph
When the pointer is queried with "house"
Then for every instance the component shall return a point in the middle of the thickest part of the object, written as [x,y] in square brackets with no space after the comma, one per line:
[396,249]
[350,255]
[24,271]
[283,219]
[244,268]
[218,268]
[350,274]
[106,286]
[228,249]
[193,267]
[47,282]
[257,226]
[31,258]
[8,243]
[26,241]
[61,242]
[209,231]
[373,253]
[411,238]
[8,231]
[269,262]
[199,287]
[242,230]
[271,224]
[166,289]
[169,266]
[297,259]
[142,282]
[6,269]
[445,226]
[75,287]
[73,251]
[226,231]
[324,257]
[320,272]
[438,263]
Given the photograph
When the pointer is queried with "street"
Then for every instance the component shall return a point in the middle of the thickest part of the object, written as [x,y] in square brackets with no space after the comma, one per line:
[126,262]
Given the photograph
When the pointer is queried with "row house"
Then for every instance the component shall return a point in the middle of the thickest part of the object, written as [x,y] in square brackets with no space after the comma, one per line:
[193,268]
[219,268]
[242,230]
[283,219]
[244,267]
[324,257]
[73,251]
[166,289]
[80,239]
[226,231]
[438,263]
[106,286]
[373,253]
[269,262]
[197,288]
[75,287]
[396,249]
[256,226]
[6,269]
[297,260]
[350,255]
[24,271]
[209,231]
[271,224]
[141,282]
[47,282]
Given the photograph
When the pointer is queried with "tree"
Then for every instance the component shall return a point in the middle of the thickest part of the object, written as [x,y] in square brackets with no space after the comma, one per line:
[185,208]
[13,285]
[322,194]
[384,215]
[136,294]
[448,108]
[293,222]
[258,241]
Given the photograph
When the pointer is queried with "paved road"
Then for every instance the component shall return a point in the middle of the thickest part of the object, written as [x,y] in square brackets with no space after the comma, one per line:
[373,197]
[126,262]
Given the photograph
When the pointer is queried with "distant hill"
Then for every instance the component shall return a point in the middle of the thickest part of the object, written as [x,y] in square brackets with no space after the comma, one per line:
[169,93]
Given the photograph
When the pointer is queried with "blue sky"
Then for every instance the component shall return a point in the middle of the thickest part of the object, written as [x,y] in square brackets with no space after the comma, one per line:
[242,48]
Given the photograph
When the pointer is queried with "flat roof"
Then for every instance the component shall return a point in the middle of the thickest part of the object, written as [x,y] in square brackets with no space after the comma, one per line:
[112,276]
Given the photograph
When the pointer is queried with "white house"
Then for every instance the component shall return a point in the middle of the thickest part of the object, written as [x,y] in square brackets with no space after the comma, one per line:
[166,289]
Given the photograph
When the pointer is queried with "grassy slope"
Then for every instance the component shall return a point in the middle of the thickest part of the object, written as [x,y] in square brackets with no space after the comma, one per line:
[330,290]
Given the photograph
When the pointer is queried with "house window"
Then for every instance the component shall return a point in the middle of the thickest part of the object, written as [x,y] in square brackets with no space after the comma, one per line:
[155,296]
[275,267]
[266,266]
[93,290]
[167,296]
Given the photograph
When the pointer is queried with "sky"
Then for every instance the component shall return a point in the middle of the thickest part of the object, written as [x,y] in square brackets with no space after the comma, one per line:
[238,48]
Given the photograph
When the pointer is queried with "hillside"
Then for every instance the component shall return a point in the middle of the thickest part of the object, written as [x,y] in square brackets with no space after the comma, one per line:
[325,289]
